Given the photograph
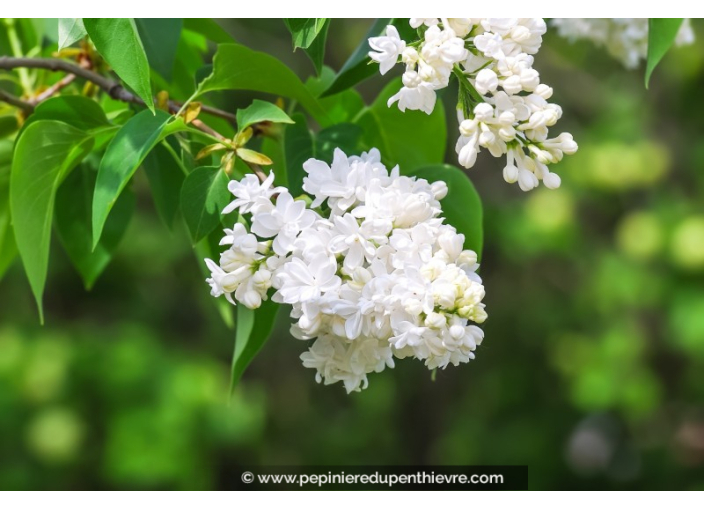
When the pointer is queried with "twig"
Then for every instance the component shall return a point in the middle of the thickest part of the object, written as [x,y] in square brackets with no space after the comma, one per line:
[176,105]
[257,170]
[16,101]
[206,129]
[56,87]
[112,88]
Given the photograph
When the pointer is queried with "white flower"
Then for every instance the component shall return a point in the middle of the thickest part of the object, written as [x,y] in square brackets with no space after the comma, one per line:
[388,48]
[337,360]
[299,282]
[377,276]
[624,38]
[415,94]
[248,191]
[353,240]
[501,94]
[417,22]
[283,221]
[486,81]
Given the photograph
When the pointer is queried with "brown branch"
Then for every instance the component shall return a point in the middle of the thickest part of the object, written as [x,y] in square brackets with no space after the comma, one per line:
[55,64]
[112,88]
[16,102]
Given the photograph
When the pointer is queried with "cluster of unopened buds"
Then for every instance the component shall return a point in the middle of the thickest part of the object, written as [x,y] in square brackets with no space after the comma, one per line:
[503,106]
[365,261]
[624,38]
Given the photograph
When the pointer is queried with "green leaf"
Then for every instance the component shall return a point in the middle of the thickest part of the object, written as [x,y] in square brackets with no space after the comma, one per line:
[122,158]
[165,179]
[261,111]
[341,107]
[208,28]
[118,41]
[274,149]
[661,35]
[8,125]
[79,111]
[298,148]
[462,207]
[310,34]
[189,58]
[340,136]
[71,30]
[253,330]
[44,154]
[8,247]
[304,30]
[356,68]
[236,67]
[160,37]
[411,139]
[316,51]
[73,224]
[203,197]
[6,148]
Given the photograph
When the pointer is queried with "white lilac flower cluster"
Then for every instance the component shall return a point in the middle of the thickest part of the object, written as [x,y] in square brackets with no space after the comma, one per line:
[370,269]
[503,106]
[626,39]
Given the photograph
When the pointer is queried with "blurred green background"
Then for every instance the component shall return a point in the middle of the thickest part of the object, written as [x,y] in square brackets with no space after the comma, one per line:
[591,372]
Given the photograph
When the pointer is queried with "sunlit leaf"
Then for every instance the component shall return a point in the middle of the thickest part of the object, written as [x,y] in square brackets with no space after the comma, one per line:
[261,111]
[71,30]
[304,30]
[310,34]
[118,41]
[662,33]
[236,67]
[123,156]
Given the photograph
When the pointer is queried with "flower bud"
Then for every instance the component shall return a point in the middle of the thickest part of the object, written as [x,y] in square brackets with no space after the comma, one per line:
[543,91]
[456,331]
[552,180]
[512,84]
[435,320]
[486,81]
[510,173]
[439,189]
[468,156]
[483,112]
[527,180]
